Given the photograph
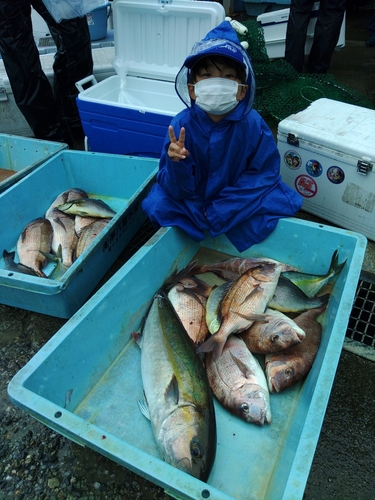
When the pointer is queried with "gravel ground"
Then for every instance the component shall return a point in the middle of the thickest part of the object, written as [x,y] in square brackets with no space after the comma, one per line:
[35,462]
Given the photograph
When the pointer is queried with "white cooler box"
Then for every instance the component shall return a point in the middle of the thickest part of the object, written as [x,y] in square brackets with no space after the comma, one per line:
[328,156]
[154,39]
[274,26]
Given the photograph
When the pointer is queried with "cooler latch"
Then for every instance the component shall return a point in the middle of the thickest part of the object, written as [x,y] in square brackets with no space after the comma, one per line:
[364,167]
[292,139]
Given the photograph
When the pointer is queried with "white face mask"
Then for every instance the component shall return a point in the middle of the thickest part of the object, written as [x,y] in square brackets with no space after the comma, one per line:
[216,96]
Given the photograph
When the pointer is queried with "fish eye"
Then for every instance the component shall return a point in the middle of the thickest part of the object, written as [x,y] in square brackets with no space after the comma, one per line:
[196,451]
[288,372]
[244,408]
[274,338]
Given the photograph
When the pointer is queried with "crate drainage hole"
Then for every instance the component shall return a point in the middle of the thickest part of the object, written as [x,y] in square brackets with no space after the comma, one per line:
[360,334]
[205,494]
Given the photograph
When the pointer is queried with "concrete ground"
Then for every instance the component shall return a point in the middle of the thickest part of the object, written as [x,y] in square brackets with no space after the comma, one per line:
[344,462]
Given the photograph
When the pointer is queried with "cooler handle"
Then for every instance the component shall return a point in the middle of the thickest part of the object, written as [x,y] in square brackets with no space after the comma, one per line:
[89,79]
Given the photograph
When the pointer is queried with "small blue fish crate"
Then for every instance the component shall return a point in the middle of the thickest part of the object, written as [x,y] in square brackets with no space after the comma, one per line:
[120,181]
[85,383]
[21,155]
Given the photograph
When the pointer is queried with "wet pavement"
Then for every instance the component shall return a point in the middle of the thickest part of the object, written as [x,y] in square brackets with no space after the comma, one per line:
[344,463]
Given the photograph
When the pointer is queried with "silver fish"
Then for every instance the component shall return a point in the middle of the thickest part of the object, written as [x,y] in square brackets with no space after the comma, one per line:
[178,398]
[213,306]
[87,207]
[239,383]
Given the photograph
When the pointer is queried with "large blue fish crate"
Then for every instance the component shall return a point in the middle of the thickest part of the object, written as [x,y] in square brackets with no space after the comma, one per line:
[21,155]
[86,381]
[120,181]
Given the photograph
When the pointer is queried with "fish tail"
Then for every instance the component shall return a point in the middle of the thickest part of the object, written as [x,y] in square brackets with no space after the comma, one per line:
[335,267]
[214,344]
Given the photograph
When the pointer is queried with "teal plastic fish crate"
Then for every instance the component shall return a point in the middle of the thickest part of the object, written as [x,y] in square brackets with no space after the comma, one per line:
[120,181]
[85,383]
[21,155]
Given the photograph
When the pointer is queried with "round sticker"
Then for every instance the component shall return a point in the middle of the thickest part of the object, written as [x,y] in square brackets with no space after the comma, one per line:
[306,186]
[314,168]
[292,159]
[335,174]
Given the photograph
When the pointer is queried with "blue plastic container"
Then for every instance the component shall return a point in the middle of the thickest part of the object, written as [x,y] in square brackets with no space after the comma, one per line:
[100,369]
[97,21]
[21,155]
[122,182]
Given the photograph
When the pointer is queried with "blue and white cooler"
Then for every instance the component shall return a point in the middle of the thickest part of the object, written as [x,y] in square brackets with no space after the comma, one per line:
[129,113]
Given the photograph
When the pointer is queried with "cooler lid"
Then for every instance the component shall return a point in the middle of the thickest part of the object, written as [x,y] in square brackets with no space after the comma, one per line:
[336,125]
[155,36]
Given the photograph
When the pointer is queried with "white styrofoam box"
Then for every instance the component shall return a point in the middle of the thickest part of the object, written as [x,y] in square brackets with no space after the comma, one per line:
[153,39]
[328,156]
[274,25]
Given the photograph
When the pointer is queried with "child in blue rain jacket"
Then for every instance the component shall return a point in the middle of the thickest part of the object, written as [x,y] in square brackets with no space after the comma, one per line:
[219,170]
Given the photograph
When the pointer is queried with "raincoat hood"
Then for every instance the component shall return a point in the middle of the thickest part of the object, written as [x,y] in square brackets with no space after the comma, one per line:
[221,40]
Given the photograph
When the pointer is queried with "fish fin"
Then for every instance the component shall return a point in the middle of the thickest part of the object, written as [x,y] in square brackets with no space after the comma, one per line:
[49,256]
[242,367]
[264,318]
[60,222]
[137,336]
[10,255]
[214,345]
[171,393]
[177,276]
[144,408]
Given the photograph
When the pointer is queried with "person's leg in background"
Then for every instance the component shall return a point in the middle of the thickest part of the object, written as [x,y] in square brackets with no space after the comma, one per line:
[298,22]
[73,61]
[31,89]
[326,35]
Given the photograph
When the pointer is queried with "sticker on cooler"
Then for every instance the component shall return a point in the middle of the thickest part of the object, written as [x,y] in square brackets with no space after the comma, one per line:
[306,186]
[292,160]
[314,168]
[335,174]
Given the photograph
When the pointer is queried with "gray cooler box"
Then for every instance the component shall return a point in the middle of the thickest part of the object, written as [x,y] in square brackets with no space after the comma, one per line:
[328,156]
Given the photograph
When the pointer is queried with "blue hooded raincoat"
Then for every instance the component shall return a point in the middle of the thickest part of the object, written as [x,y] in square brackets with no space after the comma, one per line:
[233,172]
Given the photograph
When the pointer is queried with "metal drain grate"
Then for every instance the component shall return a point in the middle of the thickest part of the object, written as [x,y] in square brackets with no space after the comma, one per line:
[360,334]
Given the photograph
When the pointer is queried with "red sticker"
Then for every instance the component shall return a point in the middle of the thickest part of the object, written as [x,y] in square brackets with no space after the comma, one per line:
[306,186]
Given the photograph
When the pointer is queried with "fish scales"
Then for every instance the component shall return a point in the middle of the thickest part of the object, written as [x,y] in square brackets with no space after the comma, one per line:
[88,235]
[239,383]
[244,303]
[177,392]
[190,307]
[64,235]
[35,239]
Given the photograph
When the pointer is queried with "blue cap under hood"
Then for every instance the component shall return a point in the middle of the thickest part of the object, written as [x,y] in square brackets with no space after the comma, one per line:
[221,40]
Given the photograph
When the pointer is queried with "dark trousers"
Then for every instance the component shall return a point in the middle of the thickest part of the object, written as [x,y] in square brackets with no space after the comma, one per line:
[51,112]
[326,35]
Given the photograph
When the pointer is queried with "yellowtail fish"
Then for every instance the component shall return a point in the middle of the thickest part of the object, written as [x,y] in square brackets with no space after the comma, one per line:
[289,298]
[88,207]
[311,284]
[178,398]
